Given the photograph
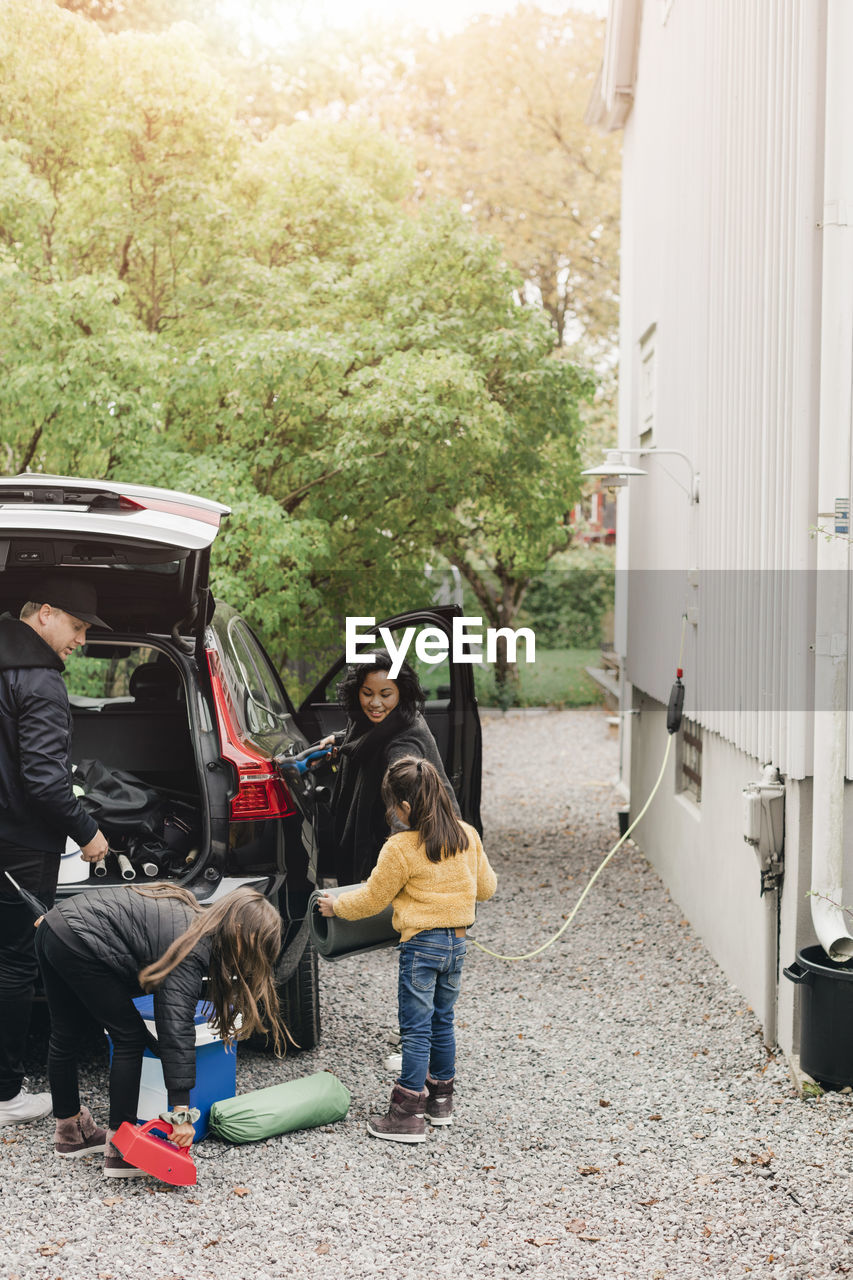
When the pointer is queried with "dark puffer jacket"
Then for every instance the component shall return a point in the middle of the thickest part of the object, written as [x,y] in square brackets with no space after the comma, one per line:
[38,808]
[127,930]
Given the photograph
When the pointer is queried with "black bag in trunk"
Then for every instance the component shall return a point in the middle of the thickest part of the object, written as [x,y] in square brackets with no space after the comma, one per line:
[122,805]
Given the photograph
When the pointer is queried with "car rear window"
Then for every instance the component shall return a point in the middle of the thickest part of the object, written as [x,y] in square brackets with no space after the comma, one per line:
[101,673]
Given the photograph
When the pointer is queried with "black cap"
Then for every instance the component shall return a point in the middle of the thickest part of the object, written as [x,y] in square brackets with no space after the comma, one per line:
[74,596]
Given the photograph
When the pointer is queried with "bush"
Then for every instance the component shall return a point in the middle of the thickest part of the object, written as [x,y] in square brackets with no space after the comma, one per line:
[566,603]
[556,679]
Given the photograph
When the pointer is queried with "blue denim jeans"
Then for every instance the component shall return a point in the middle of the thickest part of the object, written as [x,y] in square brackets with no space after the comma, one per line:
[430,977]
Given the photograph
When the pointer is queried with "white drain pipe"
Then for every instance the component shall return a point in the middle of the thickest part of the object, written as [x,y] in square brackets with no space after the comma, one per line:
[833,554]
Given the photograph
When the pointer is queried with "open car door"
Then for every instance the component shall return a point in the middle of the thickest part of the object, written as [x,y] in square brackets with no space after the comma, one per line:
[450,711]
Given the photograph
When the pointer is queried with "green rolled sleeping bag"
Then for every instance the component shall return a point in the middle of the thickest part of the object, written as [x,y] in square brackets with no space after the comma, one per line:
[297,1104]
[335,937]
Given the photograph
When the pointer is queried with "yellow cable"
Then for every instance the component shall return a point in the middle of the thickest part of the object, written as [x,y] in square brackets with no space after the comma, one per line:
[529,954]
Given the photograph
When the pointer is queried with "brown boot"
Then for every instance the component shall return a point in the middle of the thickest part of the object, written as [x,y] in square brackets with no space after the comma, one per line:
[115,1165]
[79,1136]
[405,1119]
[439,1103]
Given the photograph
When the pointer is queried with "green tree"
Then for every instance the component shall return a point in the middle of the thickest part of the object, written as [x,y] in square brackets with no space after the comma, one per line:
[142,15]
[273,321]
[132,141]
[495,115]
[77,376]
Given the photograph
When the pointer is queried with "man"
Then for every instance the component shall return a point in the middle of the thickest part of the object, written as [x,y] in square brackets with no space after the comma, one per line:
[38,808]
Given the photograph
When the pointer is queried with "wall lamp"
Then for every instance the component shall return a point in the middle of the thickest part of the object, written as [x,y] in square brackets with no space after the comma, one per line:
[615,472]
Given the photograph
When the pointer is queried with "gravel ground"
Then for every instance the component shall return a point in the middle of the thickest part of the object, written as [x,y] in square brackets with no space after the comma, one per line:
[617,1113]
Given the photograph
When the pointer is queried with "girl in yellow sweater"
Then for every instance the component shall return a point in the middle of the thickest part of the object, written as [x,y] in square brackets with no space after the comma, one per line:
[434,872]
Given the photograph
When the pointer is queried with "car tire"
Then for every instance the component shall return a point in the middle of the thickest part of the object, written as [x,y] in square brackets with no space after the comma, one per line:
[299,998]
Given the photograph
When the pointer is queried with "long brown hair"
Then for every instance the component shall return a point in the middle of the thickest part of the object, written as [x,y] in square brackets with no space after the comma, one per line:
[419,784]
[245,935]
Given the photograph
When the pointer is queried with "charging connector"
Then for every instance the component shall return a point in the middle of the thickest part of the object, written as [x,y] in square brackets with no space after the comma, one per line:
[676,704]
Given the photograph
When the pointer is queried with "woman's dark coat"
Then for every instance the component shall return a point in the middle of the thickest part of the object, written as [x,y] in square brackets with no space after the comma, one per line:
[360,825]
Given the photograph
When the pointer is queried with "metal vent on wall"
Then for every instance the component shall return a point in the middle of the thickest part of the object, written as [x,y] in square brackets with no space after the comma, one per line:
[690,760]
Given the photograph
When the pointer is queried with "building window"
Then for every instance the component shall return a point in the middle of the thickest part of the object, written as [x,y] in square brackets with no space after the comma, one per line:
[690,760]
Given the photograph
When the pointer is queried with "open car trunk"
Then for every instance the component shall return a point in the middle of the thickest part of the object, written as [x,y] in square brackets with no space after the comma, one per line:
[135,762]
[146,552]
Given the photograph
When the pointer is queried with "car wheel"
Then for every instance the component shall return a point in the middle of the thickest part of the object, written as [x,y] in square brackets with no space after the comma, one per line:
[299,997]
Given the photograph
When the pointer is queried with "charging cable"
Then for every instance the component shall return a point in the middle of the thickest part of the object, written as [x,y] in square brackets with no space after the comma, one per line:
[673,724]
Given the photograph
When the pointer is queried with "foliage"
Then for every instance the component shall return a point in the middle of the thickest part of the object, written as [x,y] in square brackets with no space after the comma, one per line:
[496,117]
[77,377]
[271,321]
[117,15]
[558,678]
[567,602]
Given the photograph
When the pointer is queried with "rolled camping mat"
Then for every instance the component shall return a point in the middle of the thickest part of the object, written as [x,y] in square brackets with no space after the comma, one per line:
[281,1108]
[334,937]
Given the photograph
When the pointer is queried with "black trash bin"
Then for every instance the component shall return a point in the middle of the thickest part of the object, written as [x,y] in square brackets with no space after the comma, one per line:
[826,1016]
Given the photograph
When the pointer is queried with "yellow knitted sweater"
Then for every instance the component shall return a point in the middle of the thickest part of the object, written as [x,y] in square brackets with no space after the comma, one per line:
[426,895]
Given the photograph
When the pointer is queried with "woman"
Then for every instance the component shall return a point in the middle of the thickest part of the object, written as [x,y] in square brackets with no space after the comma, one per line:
[385,722]
[97,951]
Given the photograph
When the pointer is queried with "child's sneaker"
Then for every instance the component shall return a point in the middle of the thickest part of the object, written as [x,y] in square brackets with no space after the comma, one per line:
[439,1103]
[79,1136]
[405,1119]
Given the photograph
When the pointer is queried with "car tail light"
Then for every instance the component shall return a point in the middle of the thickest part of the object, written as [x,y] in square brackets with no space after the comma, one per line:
[261,791]
[261,795]
[172,507]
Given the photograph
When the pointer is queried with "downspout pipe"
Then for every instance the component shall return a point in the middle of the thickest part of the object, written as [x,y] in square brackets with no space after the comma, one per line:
[834,482]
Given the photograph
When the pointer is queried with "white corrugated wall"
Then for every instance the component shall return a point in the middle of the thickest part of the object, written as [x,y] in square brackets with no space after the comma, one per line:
[724,259]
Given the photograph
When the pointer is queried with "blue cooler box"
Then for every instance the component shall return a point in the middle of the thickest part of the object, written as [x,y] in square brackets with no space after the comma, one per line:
[215,1070]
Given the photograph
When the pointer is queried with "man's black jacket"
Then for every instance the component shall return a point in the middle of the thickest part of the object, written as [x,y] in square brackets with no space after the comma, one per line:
[38,808]
[126,930]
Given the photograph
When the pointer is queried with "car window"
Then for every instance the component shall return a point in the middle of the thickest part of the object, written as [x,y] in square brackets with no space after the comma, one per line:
[101,673]
[264,709]
[433,676]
